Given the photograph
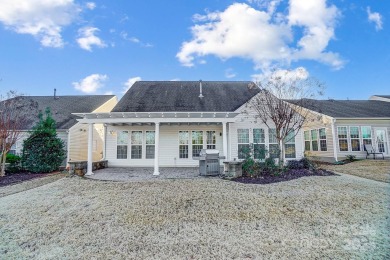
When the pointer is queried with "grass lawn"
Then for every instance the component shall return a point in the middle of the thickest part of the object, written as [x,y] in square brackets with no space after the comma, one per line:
[378,170]
[335,217]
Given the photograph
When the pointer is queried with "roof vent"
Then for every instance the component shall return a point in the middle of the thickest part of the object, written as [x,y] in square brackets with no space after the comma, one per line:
[200,89]
[55,94]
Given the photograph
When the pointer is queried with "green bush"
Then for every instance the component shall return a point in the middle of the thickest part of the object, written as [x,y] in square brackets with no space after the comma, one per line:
[43,151]
[248,164]
[351,157]
[14,163]
[12,158]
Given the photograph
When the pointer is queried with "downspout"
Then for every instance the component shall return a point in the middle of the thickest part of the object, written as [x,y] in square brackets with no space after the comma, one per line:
[68,149]
[334,139]
[104,141]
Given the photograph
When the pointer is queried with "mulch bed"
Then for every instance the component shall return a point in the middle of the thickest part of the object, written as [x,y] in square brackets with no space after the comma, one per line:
[20,177]
[285,176]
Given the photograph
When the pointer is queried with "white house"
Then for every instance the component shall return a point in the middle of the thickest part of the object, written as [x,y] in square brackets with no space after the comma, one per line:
[167,123]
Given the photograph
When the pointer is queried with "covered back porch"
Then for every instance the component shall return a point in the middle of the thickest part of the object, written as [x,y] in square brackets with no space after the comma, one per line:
[158,139]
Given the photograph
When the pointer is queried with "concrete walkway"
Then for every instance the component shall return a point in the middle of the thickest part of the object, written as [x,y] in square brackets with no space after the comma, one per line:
[141,174]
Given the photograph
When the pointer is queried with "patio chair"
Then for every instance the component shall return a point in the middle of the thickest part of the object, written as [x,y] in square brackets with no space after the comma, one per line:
[370,150]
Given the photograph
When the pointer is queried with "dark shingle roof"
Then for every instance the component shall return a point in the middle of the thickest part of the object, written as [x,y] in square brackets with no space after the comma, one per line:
[350,108]
[183,96]
[382,96]
[63,107]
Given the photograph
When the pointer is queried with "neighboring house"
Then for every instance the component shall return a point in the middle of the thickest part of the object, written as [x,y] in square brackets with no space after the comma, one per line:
[69,130]
[167,123]
[344,126]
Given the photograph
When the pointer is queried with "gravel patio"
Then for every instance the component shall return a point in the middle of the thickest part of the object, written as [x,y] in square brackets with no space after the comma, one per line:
[337,217]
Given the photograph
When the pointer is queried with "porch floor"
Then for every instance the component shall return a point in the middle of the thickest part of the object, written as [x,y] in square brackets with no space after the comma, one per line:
[128,174]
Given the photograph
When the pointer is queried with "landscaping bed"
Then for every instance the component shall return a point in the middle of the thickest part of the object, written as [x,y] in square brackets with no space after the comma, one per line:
[284,176]
[19,177]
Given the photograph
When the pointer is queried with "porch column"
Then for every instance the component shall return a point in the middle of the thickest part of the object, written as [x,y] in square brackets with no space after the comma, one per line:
[156,148]
[224,140]
[90,144]
[104,141]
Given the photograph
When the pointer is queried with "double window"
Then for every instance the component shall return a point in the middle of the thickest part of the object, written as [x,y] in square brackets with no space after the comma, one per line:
[194,142]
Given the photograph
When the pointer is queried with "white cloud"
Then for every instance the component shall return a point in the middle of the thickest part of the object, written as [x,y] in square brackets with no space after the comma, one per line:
[375,18]
[90,5]
[133,39]
[299,73]
[130,83]
[40,18]
[91,83]
[264,36]
[229,73]
[87,38]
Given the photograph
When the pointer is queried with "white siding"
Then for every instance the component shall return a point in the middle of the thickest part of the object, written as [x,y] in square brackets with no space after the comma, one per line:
[169,145]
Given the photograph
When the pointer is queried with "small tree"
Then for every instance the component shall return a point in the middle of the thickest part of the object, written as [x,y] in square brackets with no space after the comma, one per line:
[282,104]
[43,151]
[16,113]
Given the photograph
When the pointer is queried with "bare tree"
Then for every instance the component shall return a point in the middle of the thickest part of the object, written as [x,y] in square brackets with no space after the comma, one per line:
[16,113]
[281,104]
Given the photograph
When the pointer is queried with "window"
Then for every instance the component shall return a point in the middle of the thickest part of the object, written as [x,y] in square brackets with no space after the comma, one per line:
[343,141]
[314,140]
[210,137]
[197,142]
[243,142]
[273,144]
[307,140]
[150,143]
[355,138]
[289,145]
[322,135]
[258,144]
[366,134]
[122,141]
[136,145]
[183,144]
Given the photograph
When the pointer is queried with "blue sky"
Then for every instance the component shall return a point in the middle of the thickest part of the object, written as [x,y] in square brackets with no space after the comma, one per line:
[99,47]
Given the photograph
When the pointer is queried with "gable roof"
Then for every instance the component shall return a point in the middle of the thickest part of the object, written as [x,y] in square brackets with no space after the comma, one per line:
[350,108]
[63,106]
[183,96]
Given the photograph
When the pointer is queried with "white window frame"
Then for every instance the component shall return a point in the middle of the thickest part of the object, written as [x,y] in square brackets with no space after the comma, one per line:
[202,144]
[363,139]
[308,140]
[132,144]
[187,144]
[314,139]
[355,138]
[213,143]
[322,139]
[242,143]
[346,138]
[150,144]
[272,143]
[289,142]
[127,144]
[263,143]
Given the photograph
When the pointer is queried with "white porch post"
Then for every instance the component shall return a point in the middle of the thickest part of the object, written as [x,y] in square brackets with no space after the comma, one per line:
[90,144]
[156,149]
[224,140]
[104,141]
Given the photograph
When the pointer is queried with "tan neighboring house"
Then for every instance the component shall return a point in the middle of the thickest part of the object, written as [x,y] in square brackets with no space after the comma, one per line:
[71,132]
[343,127]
